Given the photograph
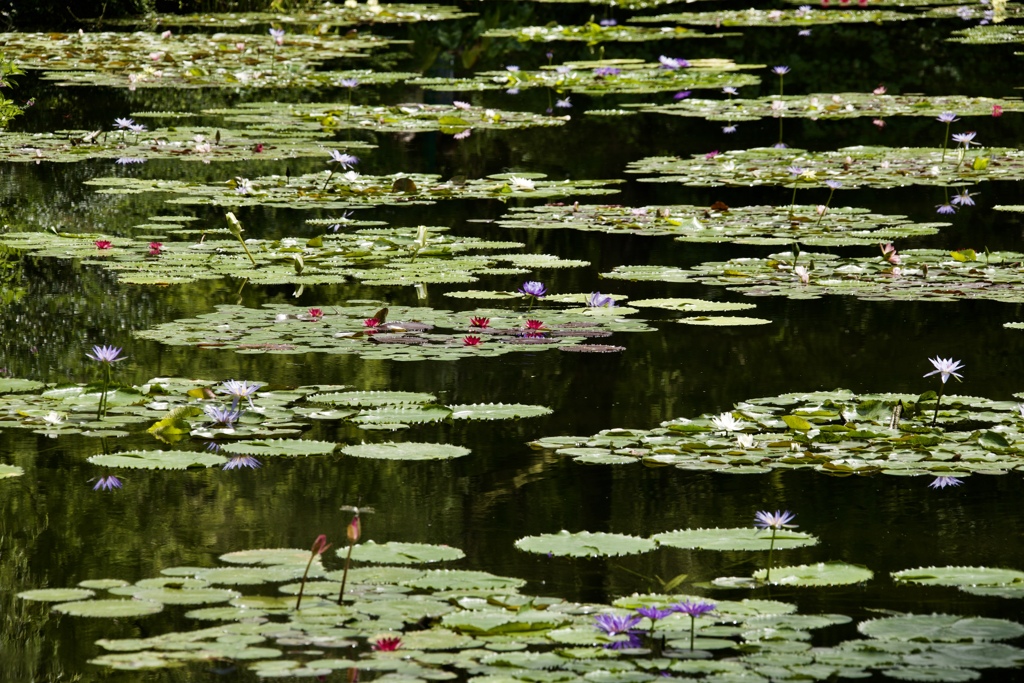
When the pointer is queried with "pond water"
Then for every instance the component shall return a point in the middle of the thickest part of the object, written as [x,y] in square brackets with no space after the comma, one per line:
[57,531]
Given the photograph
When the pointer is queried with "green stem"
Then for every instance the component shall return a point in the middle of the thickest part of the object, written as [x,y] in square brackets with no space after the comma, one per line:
[792,201]
[944,141]
[935,417]
[101,409]
[771,549]
[828,203]
[693,621]
[780,128]
[302,587]
[344,574]
[329,176]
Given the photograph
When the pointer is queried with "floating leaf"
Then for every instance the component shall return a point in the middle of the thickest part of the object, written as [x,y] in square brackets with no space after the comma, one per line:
[585,544]
[496,411]
[405,451]
[733,539]
[158,460]
[114,609]
[402,553]
[56,594]
[960,576]
[10,471]
[820,574]
[284,447]
[940,628]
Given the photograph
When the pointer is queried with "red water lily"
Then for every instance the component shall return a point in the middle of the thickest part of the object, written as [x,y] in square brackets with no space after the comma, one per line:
[154,248]
[387,644]
[534,324]
[471,340]
[315,314]
[104,244]
[479,321]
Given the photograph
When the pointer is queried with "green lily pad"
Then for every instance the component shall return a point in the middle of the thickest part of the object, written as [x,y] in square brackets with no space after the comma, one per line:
[192,60]
[372,398]
[820,574]
[722,320]
[922,275]
[593,33]
[395,552]
[585,544]
[831,106]
[56,594]
[960,576]
[931,674]
[114,609]
[458,579]
[158,460]
[804,17]
[353,190]
[283,447]
[405,451]
[692,305]
[591,77]
[496,411]
[321,15]
[940,628]
[10,471]
[734,539]
[880,167]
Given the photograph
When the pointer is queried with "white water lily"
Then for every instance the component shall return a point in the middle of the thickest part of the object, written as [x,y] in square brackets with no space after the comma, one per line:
[53,417]
[727,423]
[521,184]
[746,441]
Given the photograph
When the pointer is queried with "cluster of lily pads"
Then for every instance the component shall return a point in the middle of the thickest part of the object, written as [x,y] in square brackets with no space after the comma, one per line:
[839,432]
[190,414]
[401,619]
[832,226]
[911,275]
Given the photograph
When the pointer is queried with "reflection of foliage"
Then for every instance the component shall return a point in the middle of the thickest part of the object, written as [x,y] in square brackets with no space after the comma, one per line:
[464,38]
[11,275]
[8,109]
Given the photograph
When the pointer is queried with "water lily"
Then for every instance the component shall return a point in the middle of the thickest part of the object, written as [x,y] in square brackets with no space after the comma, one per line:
[946,117]
[239,390]
[946,367]
[471,340]
[104,244]
[943,482]
[746,441]
[239,461]
[387,644]
[155,248]
[105,354]
[462,135]
[693,610]
[278,35]
[534,289]
[889,253]
[598,300]
[350,83]
[371,323]
[963,198]
[965,139]
[107,483]
[534,324]
[461,105]
[123,124]
[479,321]
[220,415]
[346,161]
[945,209]
[516,183]
[614,624]
[319,546]
[654,613]
[727,423]
[775,522]
[563,104]
[315,314]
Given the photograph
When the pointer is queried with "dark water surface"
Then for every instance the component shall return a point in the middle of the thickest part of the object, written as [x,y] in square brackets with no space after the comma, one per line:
[56,531]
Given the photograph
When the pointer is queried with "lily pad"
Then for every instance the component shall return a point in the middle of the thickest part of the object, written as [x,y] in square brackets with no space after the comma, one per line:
[585,544]
[593,33]
[405,451]
[113,609]
[820,574]
[56,594]
[722,320]
[396,552]
[496,411]
[606,76]
[10,471]
[734,539]
[940,628]
[960,576]
[719,223]
[289,447]
[158,460]
[879,167]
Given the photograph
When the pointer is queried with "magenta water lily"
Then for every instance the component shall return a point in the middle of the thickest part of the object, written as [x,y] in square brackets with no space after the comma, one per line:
[320,545]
